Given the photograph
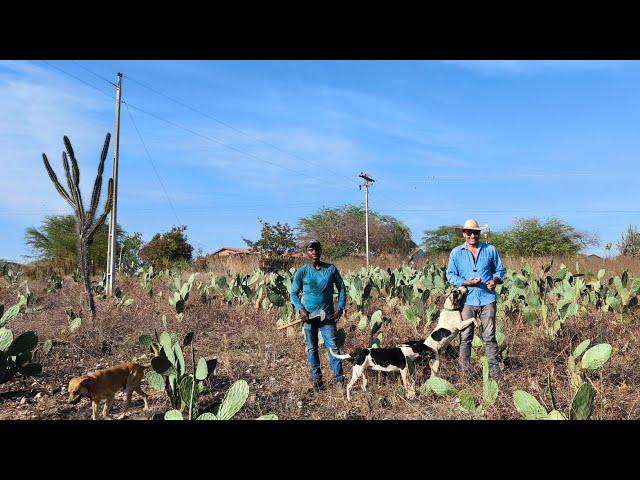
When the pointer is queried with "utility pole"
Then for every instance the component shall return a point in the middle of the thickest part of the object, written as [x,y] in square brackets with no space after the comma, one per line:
[111,249]
[367,181]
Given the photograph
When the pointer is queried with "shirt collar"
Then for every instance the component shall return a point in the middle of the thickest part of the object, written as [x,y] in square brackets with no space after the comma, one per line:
[464,245]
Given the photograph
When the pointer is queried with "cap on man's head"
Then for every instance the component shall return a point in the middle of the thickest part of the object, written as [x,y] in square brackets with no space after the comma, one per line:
[313,243]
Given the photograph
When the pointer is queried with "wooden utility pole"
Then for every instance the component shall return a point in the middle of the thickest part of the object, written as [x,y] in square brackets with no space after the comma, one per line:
[111,249]
[367,181]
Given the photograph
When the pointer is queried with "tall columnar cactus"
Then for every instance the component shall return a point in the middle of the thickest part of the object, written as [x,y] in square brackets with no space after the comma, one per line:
[86,222]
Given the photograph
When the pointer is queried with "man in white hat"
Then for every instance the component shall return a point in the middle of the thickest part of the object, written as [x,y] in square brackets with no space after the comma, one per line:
[478,266]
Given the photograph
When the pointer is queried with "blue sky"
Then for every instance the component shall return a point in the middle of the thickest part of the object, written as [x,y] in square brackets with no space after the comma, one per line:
[277,140]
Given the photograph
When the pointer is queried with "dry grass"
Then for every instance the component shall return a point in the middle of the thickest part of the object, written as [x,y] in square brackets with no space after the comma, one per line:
[275,365]
[246,264]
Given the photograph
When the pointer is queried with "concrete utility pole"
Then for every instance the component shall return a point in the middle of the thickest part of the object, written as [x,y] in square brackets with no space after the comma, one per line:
[367,181]
[111,249]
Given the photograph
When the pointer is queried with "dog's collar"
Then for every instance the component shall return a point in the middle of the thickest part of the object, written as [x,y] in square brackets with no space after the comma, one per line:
[451,309]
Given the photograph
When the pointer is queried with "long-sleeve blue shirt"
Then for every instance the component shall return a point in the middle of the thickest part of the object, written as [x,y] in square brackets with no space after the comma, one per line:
[487,266]
[317,288]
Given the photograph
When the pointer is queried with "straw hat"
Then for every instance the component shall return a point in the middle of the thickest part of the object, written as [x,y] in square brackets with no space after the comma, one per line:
[472,224]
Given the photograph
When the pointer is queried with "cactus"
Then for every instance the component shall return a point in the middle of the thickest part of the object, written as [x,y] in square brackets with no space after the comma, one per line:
[528,406]
[489,385]
[582,403]
[86,222]
[439,386]
[146,284]
[169,373]
[16,354]
[180,294]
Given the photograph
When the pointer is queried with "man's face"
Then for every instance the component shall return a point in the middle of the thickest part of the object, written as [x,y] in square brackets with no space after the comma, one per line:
[472,237]
[314,252]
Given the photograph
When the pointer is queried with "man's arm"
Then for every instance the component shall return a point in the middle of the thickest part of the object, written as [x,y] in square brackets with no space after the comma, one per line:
[453,276]
[342,291]
[296,286]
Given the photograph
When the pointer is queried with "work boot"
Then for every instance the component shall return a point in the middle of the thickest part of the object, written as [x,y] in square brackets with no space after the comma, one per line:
[318,384]
[339,386]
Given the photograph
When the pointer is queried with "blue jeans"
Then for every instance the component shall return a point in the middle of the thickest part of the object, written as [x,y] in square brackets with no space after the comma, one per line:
[329,334]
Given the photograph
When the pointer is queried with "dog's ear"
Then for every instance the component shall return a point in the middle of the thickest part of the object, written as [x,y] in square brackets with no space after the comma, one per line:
[83,387]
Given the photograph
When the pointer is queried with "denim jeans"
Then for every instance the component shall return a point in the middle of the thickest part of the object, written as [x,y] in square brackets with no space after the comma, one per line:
[329,335]
[487,314]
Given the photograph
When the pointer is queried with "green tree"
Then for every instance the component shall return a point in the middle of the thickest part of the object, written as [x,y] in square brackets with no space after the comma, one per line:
[442,239]
[533,237]
[56,241]
[630,242]
[275,239]
[129,260]
[342,232]
[167,248]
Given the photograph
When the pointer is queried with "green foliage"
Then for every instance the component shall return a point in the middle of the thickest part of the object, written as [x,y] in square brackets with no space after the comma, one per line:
[129,260]
[167,248]
[180,294]
[527,237]
[528,406]
[439,386]
[233,401]
[533,237]
[169,372]
[582,403]
[629,243]
[442,239]
[489,385]
[596,356]
[275,239]
[16,354]
[146,275]
[57,238]
[342,232]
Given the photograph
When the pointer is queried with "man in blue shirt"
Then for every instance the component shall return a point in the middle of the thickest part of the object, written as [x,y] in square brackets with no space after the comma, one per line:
[316,280]
[478,266]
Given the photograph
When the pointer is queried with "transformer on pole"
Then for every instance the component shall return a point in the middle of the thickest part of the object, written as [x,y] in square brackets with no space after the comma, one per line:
[365,184]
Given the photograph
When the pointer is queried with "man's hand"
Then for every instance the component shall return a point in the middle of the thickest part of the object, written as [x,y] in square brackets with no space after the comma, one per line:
[472,281]
[335,316]
[304,315]
[491,284]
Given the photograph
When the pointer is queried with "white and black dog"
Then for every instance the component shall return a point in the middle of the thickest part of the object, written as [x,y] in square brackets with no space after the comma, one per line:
[394,359]
[385,360]
[450,323]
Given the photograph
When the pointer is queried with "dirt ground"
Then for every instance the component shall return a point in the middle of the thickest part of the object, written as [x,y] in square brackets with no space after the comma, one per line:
[274,364]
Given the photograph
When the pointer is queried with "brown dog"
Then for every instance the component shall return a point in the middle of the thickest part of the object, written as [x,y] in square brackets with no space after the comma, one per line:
[104,384]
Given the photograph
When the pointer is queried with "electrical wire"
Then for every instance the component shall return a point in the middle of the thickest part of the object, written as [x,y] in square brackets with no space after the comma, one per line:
[153,165]
[264,142]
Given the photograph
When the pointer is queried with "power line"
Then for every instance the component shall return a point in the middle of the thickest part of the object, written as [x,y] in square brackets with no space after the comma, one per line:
[206,137]
[94,73]
[170,122]
[77,78]
[237,129]
[152,164]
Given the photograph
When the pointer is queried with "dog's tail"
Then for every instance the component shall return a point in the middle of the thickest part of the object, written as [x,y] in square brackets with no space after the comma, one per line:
[341,357]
